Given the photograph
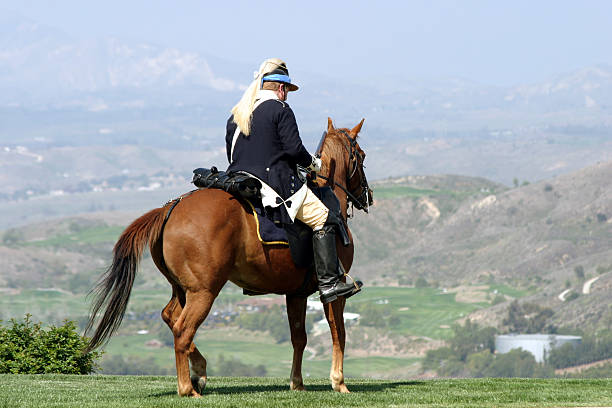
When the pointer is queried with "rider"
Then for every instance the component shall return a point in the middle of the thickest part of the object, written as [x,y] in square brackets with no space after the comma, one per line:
[263,140]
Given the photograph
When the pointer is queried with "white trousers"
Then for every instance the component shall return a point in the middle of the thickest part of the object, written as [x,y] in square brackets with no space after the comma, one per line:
[312,212]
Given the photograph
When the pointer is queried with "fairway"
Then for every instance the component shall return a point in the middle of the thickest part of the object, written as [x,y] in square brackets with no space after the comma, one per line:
[44,391]
[424,312]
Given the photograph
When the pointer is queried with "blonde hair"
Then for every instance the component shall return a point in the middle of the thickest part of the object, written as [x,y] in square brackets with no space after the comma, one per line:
[244,108]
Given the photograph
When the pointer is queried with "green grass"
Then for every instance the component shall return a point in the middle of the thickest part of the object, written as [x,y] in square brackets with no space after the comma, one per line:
[424,311]
[390,192]
[47,391]
[510,291]
[94,235]
[56,305]
[43,305]
[258,348]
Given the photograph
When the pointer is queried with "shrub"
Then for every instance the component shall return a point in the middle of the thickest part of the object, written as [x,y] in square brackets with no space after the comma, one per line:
[594,347]
[528,318]
[382,316]
[579,271]
[27,348]
[132,365]
[273,320]
[12,237]
[470,338]
[478,363]
[232,367]
[499,298]
[515,363]
[572,296]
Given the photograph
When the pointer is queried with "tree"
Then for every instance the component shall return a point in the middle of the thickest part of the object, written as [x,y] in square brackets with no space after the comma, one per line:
[528,318]
[12,237]
[515,363]
[469,338]
[231,367]
[421,282]
[499,298]
[272,320]
[579,271]
[478,363]
[132,365]
[376,315]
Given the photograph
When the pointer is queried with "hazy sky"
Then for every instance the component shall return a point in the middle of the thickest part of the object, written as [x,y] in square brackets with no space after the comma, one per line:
[493,42]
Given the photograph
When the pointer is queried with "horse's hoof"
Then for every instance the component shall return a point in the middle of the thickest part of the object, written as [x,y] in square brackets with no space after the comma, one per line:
[189,393]
[198,383]
[297,387]
[341,388]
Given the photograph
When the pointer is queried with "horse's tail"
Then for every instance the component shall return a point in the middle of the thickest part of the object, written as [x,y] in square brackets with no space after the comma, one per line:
[114,288]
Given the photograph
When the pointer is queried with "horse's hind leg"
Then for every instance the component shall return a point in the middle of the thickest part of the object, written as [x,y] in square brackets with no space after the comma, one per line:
[296,312]
[334,314]
[197,306]
[170,315]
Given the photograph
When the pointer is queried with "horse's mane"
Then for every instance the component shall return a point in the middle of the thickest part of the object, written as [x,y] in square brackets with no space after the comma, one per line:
[336,147]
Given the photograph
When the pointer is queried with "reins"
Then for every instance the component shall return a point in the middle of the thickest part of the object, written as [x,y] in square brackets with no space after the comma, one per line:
[354,156]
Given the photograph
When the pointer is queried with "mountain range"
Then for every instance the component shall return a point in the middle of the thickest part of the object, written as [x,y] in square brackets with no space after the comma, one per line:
[41,66]
[77,114]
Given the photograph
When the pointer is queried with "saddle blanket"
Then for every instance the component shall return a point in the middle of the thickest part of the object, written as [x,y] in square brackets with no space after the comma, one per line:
[268,232]
[271,234]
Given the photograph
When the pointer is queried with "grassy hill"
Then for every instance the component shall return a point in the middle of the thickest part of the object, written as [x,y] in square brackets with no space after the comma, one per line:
[434,250]
[530,238]
[44,391]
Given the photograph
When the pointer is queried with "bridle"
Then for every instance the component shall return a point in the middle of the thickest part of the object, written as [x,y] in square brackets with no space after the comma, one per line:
[361,201]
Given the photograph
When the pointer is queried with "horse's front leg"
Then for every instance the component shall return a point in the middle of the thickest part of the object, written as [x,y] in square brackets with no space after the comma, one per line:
[296,313]
[334,313]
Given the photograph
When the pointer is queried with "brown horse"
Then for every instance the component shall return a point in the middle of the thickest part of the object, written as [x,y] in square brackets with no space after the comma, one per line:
[210,238]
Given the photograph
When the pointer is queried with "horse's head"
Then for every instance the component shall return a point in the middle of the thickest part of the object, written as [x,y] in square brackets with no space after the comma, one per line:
[343,167]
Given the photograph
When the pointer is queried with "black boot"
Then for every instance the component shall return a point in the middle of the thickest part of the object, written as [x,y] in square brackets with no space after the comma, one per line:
[326,265]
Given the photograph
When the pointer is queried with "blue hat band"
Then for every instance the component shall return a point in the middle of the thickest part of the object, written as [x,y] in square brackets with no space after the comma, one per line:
[277,78]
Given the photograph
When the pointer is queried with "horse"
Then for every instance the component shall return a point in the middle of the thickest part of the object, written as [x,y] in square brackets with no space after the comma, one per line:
[209,239]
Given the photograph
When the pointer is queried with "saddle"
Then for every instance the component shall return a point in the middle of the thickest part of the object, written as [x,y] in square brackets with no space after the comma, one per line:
[237,184]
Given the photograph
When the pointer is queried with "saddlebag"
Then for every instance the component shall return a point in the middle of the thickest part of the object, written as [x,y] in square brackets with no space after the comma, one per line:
[237,184]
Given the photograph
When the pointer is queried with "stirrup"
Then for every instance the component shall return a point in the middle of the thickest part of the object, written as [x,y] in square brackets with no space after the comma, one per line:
[358,284]
[332,294]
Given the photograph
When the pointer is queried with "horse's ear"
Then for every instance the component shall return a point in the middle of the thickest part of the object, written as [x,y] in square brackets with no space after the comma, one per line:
[355,131]
[330,125]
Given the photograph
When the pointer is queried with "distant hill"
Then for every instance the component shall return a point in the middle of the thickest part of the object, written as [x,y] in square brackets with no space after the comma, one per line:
[533,228]
[450,231]
[533,237]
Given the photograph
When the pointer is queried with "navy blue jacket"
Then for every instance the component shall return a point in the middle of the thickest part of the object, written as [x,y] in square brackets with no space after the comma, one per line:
[272,150]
